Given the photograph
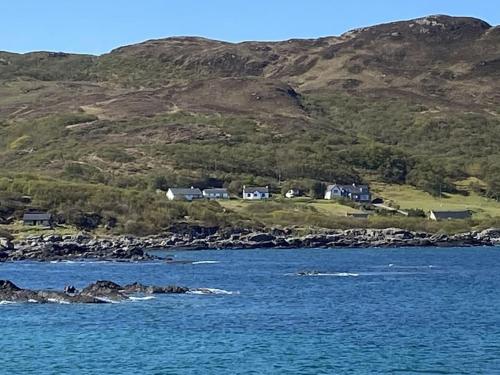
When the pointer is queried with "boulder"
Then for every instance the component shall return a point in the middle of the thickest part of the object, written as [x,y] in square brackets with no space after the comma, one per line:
[8,286]
[260,237]
[6,244]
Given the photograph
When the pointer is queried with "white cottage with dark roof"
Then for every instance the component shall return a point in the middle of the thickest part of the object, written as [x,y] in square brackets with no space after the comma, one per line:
[357,193]
[184,194]
[255,192]
[215,194]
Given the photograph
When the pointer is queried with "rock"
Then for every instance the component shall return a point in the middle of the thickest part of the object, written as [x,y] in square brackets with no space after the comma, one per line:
[170,289]
[70,289]
[260,237]
[102,291]
[6,244]
[8,286]
[54,238]
[102,288]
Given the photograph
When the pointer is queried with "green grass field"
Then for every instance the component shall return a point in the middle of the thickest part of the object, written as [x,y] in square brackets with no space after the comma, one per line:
[407,197]
[298,204]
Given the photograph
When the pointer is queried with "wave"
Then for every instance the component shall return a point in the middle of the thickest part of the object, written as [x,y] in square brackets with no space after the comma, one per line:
[345,274]
[108,300]
[7,302]
[332,274]
[206,262]
[411,266]
[204,291]
[336,274]
[63,261]
[55,300]
[146,298]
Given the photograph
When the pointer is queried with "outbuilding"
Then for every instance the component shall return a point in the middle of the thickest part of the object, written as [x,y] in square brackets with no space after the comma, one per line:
[42,219]
[449,215]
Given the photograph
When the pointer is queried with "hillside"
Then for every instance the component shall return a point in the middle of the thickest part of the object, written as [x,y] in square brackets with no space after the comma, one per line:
[414,102]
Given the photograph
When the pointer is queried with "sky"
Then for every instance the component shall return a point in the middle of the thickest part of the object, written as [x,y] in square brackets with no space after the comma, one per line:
[97,26]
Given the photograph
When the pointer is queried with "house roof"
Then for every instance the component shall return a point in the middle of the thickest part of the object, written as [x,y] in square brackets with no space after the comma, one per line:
[451,214]
[255,189]
[185,191]
[357,189]
[38,216]
[215,191]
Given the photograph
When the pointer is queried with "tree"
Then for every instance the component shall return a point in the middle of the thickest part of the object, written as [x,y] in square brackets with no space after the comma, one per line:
[394,170]
[317,190]
[160,182]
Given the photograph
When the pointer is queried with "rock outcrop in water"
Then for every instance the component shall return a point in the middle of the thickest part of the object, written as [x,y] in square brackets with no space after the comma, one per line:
[99,292]
[126,248]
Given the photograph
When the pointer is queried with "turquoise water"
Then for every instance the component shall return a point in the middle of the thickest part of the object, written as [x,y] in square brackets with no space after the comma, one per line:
[404,311]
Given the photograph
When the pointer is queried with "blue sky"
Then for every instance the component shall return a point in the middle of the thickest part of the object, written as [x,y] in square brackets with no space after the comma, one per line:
[97,26]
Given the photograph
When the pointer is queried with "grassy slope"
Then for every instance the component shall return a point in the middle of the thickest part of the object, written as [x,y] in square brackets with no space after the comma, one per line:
[205,113]
[409,197]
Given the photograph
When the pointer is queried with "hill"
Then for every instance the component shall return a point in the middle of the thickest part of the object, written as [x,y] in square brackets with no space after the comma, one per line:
[413,102]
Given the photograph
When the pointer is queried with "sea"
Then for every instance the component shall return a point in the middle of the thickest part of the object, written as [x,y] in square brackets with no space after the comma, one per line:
[301,311]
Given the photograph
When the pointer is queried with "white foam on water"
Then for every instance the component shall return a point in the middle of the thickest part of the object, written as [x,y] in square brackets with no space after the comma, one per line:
[147,298]
[346,274]
[206,262]
[336,274]
[106,300]
[7,302]
[54,300]
[32,301]
[205,291]
[331,274]
[62,261]
[413,266]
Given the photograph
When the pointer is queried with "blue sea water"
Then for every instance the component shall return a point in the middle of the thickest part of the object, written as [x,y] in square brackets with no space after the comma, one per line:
[374,311]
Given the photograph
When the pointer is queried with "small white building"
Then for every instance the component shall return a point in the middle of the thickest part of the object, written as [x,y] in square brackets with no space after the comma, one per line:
[255,193]
[215,194]
[184,194]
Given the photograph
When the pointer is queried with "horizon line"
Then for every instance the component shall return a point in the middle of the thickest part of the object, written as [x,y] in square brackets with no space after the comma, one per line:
[132,43]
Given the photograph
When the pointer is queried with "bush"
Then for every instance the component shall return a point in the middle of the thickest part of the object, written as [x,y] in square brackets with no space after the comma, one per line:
[416,212]
[6,234]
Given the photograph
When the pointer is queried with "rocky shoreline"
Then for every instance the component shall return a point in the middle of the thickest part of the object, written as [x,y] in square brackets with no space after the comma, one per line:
[127,248]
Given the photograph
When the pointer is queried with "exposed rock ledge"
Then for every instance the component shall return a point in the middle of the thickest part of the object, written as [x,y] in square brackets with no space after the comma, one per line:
[98,292]
[127,248]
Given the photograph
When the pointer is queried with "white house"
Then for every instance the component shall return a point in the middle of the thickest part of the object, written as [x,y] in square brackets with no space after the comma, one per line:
[357,193]
[255,193]
[185,194]
[292,193]
[215,194]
